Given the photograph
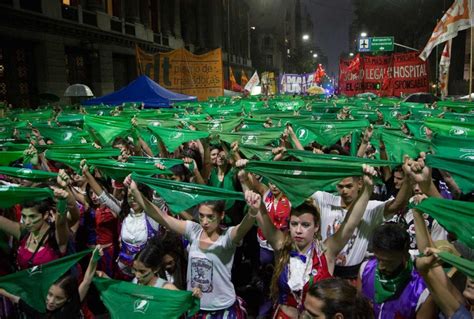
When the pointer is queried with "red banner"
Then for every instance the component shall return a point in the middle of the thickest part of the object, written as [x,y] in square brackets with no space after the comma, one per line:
[387,75]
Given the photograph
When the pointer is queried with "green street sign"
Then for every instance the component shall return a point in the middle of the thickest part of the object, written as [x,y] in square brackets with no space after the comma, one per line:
[381,44]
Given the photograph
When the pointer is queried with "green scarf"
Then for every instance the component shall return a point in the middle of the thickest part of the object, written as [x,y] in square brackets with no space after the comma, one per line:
[172,138]
[387,286]
[73,157]
[180,196]
[450,127]
[10,195]
[26,173]
[455,147]
[32,284]
[455,216]
[126,300]
[6,157]
[107,128]
[463,265]
[398,144]
[462,170]
[120,170]
[257,138]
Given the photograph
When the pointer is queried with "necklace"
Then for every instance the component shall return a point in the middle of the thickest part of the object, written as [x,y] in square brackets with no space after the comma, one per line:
[298,295]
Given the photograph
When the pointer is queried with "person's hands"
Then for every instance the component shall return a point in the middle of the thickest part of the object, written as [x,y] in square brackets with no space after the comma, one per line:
[160,166]
[368,133]
[63,179]
[197,292]
[130,183]
[124,155]
[97,253]
[190,163]
[241,163]
[253,200]
[83,166]
[278,150]
[418,171]
[369,174]
[101,274]
[59,193]
[429,260]
[418,198]
[234,146]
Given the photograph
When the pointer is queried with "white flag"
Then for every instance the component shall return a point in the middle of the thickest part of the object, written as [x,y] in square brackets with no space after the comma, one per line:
[444,63]
[253,82]
[457,18]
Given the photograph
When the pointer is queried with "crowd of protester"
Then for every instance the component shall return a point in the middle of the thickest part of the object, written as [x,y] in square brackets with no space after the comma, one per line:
[362,248]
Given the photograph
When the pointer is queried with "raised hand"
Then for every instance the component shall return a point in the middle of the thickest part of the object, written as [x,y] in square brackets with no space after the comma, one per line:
[253,199]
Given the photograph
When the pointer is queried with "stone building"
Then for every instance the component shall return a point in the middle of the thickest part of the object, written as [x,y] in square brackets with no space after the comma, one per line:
[46,45]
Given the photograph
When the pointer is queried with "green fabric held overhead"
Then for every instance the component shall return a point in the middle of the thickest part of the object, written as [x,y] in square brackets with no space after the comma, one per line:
[73,157]
[450,146]
[298,180]
[120,170]
[256,138]
[217,125]
[398,145]
[456,106]
[326,133]
[74,119]
[417,128]
[180,196]
[234,110]
[63,135]
[126,300]
[450,127]
[172,138]
[259,152]
[461,117]
[462,170]
[107,128]
[166,162]
[6,157]
[455,216]
[151,140]
[463,265]
[32,284]
[10,196]
[27,173]
[308,157]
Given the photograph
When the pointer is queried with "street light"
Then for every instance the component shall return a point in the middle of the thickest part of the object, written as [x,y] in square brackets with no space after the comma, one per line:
[351,54]
[252,28]
[363,34]
[305,37]
[315,55]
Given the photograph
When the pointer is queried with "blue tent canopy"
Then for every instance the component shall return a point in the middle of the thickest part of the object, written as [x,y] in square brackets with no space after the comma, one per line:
[145,90]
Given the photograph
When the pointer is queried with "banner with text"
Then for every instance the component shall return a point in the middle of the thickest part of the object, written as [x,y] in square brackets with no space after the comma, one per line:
[296,83]
[183,72]
[386,75]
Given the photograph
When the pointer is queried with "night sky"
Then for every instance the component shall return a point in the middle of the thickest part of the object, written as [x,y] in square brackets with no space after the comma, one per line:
[331,20]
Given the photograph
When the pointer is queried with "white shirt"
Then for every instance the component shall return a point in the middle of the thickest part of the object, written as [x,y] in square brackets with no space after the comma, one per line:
[332,216]
[134,229]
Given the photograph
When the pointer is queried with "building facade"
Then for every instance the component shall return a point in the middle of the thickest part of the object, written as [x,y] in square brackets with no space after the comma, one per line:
[46,45]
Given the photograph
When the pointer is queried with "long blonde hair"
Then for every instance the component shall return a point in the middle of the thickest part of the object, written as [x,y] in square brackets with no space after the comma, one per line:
[282,256]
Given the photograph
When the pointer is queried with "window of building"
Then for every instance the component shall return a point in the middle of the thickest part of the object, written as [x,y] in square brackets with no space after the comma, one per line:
[70,2]
[269,59]
[31,5]
[267,42]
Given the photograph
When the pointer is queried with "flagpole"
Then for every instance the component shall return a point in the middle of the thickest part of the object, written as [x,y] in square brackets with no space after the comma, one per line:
[470,54]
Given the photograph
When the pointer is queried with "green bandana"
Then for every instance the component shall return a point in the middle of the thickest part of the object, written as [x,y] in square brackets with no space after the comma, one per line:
[217,125]
[6,157]
[387,286]
[166,162]
[298,180]
[63,135]
[180,196]
[256,138]
[259,152]
[120,170]
[450,127]
[326,133]
[10,195]
[398,144]
[26,173]
[456,147]
[32,284]
[107,128]
[460,169]
[463,265]
[172,138]
[129,301]
[455,216]
[73,157]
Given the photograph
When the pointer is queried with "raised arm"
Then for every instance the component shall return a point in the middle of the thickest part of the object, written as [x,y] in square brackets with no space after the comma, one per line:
[62,228]
[423,238]
[445,294]
[365,141]
[335,243]
[403,195]
[254,201]
[90,271]
[274,236]
[10,227]
[174,224]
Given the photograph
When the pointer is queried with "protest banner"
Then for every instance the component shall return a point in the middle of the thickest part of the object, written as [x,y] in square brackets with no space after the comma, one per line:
[183,72]
[296,83]
[386,75]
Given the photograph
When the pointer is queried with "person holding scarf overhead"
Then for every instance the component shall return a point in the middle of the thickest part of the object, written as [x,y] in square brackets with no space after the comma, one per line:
[301,259]
[211,251]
